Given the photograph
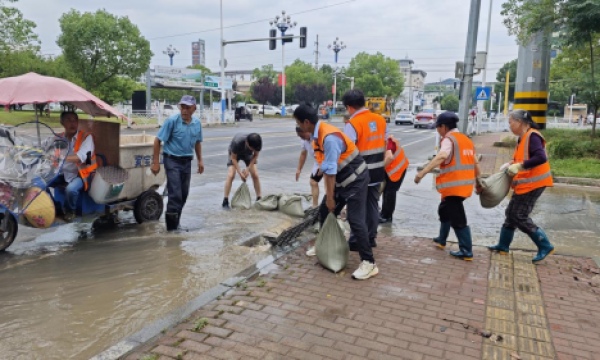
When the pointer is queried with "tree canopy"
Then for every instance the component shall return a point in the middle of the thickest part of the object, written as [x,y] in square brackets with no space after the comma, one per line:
[376,75]
[100,47]
[15,31]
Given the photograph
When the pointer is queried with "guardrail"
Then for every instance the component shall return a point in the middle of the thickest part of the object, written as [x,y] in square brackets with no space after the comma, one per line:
[157,118]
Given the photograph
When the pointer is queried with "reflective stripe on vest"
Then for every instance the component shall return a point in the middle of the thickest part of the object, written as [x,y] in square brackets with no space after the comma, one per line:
[458,177]
[370,140]
[372,151]
[536,177]
[399,163]
[346,158]
[352,177]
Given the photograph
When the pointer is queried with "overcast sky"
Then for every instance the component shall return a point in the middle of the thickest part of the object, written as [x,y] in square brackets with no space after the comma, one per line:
[431,32]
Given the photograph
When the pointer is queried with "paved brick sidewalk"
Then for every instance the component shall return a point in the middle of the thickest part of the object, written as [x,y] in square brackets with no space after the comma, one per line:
[492,157]
[424,304]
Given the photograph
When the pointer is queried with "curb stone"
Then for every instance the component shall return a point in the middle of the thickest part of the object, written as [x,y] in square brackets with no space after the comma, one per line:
[156,328]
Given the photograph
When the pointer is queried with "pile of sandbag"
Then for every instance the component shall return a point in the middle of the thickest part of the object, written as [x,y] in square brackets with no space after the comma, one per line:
[495,189]
[288,204]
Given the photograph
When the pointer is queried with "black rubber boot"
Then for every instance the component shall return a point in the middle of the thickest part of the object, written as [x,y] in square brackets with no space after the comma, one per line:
[172,220]
[465,244]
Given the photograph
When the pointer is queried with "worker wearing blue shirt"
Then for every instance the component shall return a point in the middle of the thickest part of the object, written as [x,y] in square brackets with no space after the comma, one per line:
[182,136]
[346,182]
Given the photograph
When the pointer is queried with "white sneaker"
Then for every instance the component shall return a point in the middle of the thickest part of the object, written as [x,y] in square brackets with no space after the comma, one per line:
[311,251]
[365,271]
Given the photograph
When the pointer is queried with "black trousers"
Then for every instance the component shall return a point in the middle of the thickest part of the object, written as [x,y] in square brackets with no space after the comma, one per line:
[179,172]
[389,196]
[451,210]
[355,196]
[519,209]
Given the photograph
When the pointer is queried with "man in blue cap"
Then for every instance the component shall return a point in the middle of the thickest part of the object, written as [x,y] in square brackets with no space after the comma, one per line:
[181,135]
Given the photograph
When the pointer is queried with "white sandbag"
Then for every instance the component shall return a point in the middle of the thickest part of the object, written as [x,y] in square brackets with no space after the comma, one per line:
[495,189]
[267,203]
[331,246]
[291,205]
[241,199]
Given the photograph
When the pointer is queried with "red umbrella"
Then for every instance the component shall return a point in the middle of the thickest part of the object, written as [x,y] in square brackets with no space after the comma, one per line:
[37,89]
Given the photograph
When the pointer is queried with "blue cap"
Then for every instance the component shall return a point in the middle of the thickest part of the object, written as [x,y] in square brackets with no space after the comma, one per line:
[446,118]
[188,100]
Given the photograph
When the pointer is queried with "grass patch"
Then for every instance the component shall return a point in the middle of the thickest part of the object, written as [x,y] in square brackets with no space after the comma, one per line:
[573,153]
[261,283]
[19,117]
[201,324]
[572,167]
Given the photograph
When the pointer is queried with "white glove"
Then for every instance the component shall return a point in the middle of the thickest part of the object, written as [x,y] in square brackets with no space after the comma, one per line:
[514,169]
[503,167]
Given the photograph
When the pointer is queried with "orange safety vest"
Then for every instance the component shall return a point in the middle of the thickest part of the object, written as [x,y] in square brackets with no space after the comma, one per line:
[370,140]
[399,163]
[458,177]
[535,178]
[85,170]
[350,163]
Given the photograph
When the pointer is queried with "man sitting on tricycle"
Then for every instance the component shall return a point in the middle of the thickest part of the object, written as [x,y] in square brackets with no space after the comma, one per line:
[79,164]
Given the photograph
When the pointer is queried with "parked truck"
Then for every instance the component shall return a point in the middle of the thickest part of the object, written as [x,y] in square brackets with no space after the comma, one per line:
[381,106]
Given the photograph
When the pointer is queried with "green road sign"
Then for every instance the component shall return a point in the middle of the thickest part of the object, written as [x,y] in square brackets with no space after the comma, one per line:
[211,84]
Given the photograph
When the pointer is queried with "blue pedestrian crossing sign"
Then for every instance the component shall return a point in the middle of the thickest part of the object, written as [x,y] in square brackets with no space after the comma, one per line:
[483,93]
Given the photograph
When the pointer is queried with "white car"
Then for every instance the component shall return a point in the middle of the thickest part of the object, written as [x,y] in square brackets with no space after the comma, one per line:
[405,117]
[269,110]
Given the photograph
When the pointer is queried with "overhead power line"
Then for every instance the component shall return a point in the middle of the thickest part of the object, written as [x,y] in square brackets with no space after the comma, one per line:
[252,22]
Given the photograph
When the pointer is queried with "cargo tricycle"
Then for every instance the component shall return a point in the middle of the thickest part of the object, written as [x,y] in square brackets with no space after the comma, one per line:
[32,155]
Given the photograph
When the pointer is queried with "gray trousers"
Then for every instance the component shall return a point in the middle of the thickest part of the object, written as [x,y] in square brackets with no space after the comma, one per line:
[355,196]
[179,172]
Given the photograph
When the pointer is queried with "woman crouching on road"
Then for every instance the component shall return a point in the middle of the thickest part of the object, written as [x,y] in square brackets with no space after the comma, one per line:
[532,176]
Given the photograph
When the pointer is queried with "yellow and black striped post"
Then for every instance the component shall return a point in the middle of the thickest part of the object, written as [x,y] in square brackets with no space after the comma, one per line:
[536,104]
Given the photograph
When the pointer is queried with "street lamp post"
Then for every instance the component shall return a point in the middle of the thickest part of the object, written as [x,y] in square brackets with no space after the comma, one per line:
[171,51]
[283,23]
[337,46]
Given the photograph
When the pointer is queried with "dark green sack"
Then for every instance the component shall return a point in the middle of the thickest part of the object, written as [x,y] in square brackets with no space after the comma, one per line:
[331,246]
[241,199]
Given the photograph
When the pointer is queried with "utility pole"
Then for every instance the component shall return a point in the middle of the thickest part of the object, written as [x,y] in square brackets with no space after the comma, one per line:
[410,88]
[337,46]
[467,81]
[284,25]
[506,92]
[481,104]
[533,78]
[317,54]
[223,101]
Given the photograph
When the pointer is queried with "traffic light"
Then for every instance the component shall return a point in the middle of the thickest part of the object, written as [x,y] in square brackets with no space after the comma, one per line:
[272,42]
[303,38]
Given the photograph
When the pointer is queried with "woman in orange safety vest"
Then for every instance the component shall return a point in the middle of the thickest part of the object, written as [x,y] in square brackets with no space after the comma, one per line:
[531,176]
[458,170]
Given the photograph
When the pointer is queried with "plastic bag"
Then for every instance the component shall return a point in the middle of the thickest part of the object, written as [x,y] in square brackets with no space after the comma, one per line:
[267,203]
[495,189]
[241,199]
[331,246]
[291,205]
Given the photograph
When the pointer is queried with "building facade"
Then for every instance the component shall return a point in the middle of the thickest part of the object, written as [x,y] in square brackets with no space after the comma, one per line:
[412,98]
[199,52]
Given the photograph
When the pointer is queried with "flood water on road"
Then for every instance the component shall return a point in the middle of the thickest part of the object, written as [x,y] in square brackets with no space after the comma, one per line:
[70,293]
